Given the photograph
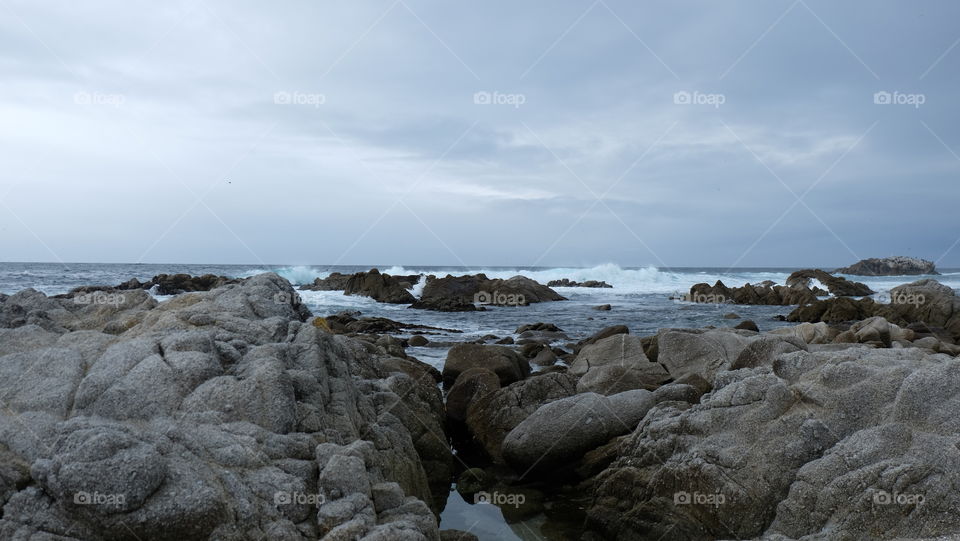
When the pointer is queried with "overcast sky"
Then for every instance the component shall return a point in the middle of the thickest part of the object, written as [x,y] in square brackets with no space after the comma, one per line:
[690,133]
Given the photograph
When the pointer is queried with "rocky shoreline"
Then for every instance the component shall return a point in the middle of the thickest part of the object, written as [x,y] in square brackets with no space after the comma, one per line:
[234,413]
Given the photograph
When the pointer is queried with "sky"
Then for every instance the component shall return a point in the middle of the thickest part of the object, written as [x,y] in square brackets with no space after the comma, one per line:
[420,132]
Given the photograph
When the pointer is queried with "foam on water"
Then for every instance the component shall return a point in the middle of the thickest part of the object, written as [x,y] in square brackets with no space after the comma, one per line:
[625,281]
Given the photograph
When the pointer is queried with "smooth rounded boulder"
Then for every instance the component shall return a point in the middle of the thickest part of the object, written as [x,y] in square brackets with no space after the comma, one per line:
[507,364]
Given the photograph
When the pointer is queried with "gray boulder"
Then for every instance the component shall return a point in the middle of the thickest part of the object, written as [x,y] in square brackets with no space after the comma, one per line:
[562,431]
[491,417]
[506,363]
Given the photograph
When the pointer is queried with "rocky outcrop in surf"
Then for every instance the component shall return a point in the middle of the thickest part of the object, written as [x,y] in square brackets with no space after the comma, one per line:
[890,266]
[799,288]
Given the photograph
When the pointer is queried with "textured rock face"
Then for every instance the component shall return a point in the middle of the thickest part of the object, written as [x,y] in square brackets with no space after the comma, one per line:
[459,293]
[501,360]
[491,417]
[926,302]
[703,353]
[335,282]
[766,294]
[562,431]
[616,364]
[380,287]
[890,266]
[852,444]
[837,285]
[795,291]
[214,415]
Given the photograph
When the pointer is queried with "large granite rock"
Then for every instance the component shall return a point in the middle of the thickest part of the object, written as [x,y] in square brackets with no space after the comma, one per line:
[492,416]
[561,432]
[890,266]
[214,415]
[704,353]
[852,444]
[506,363]
[616,364]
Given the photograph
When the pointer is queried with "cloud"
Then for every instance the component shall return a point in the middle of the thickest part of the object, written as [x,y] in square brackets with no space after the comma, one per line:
[232,132]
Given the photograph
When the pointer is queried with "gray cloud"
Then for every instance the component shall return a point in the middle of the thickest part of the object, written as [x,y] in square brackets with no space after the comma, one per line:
[498,124]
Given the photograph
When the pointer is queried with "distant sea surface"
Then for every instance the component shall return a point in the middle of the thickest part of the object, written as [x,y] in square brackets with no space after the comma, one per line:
[640,296]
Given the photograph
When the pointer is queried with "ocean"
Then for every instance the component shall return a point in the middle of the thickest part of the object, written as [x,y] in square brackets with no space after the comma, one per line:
[640,297]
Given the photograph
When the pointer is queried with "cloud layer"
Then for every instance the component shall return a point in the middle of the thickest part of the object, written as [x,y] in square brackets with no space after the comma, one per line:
[414,132]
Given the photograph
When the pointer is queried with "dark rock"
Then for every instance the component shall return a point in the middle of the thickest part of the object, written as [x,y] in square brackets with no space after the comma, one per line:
[890,266]
[747,325]
[600,335]
[603,307]
[457,535]
[566,282]
[174,284]
[491,417]
[380,287]
[454,293]
[506,363]
[335,282]
[418,340]
[544,327]
[474,480]
[838,286]
[546,357]
[471,384]
[348,323]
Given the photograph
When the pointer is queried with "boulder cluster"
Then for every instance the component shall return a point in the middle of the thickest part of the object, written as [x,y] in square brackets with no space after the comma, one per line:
[446,294]
[840,430]
[798,289]
[230,414]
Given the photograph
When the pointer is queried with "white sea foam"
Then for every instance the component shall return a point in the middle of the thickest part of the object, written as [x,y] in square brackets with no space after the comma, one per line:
[625,281]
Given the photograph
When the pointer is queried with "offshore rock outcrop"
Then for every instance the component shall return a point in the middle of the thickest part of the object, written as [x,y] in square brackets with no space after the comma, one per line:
[890,266]
[797,290]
